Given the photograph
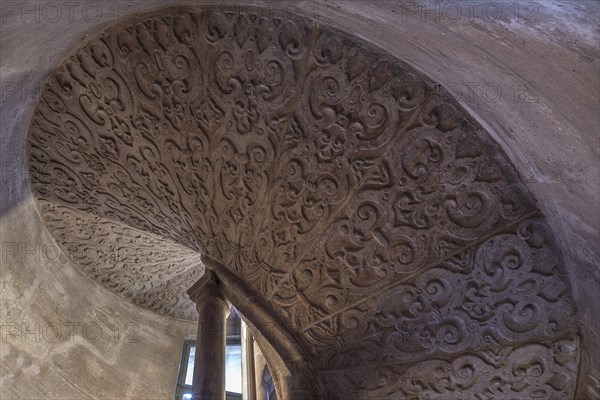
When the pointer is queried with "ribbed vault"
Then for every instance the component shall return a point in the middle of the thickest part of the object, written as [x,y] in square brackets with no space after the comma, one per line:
[349,192]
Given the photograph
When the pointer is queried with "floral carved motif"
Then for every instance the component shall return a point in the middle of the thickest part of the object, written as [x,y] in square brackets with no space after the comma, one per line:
[533,371]
[143,268]
[377,219]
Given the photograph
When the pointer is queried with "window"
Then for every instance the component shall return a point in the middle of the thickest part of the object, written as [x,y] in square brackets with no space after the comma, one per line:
[233,363]
[233,357]
[267,385]
[186,371]
[233,369]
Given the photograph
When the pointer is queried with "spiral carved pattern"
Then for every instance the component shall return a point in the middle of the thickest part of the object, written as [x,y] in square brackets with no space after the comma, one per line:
[352,193]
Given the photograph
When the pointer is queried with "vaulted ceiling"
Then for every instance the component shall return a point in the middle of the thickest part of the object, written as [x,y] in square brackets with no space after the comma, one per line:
[373,215]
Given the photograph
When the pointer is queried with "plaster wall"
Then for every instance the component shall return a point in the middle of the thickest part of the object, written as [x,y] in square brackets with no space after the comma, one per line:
[531,76]
[65,337]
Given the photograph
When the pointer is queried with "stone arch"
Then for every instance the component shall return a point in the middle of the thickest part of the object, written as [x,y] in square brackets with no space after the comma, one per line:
[375,217]
[267,385]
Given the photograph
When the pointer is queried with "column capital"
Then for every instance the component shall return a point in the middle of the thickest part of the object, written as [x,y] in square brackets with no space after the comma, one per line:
[211,263]
[208,286]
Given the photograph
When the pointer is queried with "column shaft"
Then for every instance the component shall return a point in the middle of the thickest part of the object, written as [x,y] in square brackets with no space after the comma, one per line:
[209,364]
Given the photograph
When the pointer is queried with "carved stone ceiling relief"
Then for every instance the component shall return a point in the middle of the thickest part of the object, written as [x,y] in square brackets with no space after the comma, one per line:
[142,267]
[373,214]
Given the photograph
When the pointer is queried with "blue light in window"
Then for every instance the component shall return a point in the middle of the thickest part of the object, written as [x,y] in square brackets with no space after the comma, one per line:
[189,373]
[233,369]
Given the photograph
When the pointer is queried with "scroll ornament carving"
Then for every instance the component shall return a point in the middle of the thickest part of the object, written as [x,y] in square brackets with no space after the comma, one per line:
[379,220]
[533,371]
[145,269]
[506,290]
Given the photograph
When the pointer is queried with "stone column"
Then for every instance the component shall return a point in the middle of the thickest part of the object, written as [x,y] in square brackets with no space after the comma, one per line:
[209,365]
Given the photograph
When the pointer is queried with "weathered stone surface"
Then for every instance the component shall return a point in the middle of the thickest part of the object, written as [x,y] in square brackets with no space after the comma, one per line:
[532,371]
[192,126]
[64,336]
[144,268]
[368,167]
[505,291]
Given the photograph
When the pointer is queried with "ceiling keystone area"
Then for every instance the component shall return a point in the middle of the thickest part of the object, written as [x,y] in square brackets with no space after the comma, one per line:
[377,219]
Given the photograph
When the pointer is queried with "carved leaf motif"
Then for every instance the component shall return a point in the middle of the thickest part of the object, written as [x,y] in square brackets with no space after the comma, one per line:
[377,219]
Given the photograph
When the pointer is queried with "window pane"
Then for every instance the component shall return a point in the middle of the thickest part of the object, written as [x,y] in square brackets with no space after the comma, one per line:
[233,372]
[190,367]
[186,396]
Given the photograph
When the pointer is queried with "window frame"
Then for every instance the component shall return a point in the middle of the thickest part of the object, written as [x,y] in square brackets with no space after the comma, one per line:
[233,340]
[181,387]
